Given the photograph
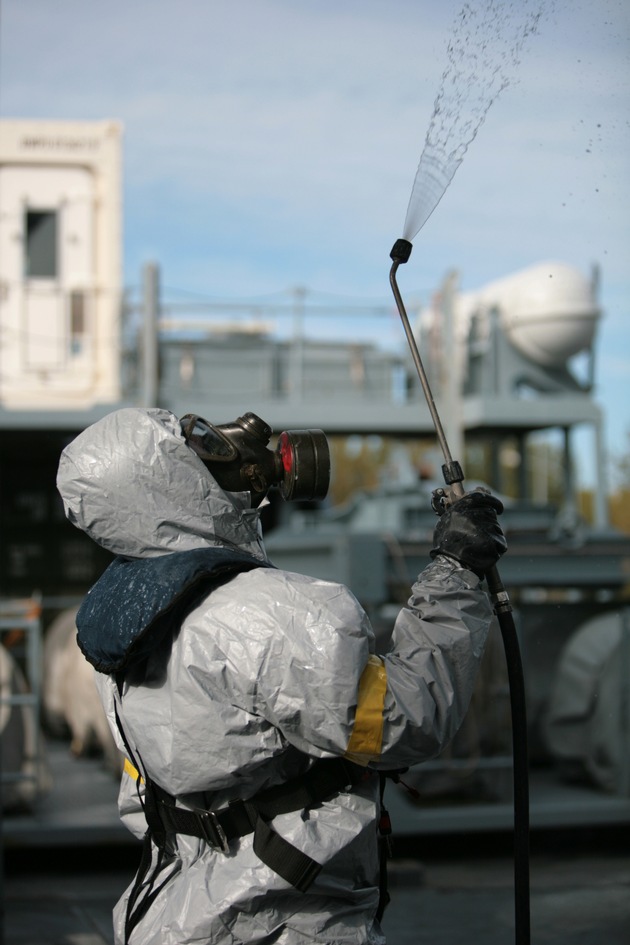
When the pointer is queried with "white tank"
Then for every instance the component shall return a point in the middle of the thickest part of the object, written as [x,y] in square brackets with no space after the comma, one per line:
[71,703]
[585,723]
[549,311]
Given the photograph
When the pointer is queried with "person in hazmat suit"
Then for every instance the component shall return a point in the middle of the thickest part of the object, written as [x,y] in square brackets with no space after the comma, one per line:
[255,715]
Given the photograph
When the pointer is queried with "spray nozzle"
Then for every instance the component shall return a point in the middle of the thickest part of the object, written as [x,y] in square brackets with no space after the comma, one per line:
[401,251]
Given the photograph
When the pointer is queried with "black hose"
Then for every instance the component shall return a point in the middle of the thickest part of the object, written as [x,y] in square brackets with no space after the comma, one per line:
[521,779]
[520,756]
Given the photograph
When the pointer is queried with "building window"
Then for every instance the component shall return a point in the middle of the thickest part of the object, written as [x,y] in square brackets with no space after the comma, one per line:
[41,244]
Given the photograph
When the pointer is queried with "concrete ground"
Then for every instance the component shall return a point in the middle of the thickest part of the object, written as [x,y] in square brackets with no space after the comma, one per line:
[581,899]
[66,864]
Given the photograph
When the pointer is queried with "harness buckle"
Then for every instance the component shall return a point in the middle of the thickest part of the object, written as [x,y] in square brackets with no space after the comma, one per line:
[212,830]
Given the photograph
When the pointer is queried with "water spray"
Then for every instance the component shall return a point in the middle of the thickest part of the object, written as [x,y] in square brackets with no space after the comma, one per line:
[482,53]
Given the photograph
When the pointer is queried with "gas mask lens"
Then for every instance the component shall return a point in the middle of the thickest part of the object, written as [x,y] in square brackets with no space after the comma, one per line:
[208,442]
[238,457]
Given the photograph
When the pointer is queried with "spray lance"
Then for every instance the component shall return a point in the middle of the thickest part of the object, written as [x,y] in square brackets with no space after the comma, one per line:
[442,498]
[483,51]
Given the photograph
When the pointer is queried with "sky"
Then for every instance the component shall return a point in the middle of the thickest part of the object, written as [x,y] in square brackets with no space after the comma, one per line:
[270,144]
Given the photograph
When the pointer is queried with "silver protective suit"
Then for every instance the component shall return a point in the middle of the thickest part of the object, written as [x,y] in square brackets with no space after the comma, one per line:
[271,666]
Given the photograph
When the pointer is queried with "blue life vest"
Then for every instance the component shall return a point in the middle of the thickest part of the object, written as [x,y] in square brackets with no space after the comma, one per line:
[138,601]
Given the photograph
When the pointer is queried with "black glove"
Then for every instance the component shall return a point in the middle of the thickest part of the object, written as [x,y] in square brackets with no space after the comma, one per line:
[469,532]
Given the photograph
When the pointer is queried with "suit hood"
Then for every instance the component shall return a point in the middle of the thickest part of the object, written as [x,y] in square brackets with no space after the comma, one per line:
[133,485]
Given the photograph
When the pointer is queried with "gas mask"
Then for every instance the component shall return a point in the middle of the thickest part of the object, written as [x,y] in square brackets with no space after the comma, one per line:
[238,457]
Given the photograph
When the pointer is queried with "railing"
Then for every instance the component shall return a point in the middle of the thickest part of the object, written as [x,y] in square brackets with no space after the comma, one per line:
[20,692]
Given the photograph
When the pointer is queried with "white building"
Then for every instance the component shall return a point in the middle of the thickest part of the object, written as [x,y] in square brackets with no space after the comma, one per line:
[60,264]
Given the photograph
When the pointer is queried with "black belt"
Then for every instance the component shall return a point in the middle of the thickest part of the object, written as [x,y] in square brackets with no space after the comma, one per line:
[323,779]
[216,827]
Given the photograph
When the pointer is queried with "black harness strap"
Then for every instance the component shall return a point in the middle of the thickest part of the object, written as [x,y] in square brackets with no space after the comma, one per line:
[137,910]
[136,907]
[324,779]
[294,866]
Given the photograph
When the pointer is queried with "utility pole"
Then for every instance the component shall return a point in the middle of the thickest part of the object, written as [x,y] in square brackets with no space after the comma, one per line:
[451,369]
[150,315]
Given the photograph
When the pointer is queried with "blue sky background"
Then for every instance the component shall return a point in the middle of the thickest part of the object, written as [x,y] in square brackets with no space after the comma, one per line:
[270,144]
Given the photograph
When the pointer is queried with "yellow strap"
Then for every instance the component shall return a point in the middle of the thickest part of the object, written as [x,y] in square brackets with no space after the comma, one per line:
[367,734]
[132,771]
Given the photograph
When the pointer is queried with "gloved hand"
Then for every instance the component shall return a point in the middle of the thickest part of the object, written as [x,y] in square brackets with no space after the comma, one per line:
[469,532]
